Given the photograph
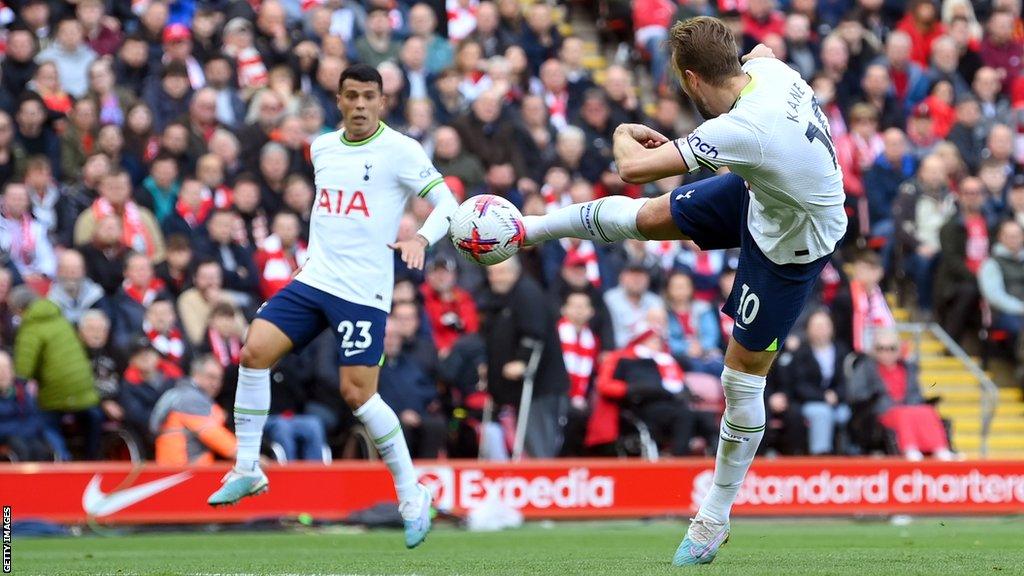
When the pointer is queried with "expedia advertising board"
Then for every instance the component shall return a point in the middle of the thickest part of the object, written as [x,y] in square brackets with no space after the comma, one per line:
[118,493]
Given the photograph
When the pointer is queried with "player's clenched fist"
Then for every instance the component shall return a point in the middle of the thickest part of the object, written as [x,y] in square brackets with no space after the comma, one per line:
[650,138]
[412,251]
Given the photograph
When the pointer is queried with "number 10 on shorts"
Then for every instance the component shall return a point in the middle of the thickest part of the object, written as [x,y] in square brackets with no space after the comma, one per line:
[749,305]
[364,339]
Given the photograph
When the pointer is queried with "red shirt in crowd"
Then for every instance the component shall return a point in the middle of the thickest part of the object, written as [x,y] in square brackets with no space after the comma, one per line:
[920,40]
[448,315]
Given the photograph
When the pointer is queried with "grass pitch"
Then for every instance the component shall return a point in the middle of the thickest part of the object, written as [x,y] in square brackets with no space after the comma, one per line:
[927,547]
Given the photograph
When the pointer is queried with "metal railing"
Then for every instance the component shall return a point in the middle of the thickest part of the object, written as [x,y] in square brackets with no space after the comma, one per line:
[989,390]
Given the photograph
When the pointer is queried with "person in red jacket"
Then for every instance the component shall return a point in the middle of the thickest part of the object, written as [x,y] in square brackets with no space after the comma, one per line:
[450,309]
[922,25]
[282,254]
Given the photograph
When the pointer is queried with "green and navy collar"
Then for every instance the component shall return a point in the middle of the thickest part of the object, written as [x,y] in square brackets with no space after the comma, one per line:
[746,89]
[364,141]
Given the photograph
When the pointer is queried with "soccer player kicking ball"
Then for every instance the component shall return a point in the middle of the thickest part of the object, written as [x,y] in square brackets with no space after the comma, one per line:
[364,175]
[781,203]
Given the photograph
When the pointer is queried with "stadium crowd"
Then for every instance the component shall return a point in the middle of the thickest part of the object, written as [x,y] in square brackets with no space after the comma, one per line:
[156,189]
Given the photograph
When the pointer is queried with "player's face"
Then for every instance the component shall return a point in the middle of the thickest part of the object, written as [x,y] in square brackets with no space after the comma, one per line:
[691,87]
[361,105]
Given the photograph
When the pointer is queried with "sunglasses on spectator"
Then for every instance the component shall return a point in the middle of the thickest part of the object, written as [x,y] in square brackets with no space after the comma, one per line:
[893,348]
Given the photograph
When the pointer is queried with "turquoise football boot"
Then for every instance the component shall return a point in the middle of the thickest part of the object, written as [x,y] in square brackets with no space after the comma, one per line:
[237,485]
[702,541]
[416,513]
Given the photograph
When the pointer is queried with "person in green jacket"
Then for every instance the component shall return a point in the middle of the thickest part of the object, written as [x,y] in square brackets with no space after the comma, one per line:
[47,350]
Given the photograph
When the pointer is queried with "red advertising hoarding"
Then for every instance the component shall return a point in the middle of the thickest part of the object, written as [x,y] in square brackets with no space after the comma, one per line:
[119,493]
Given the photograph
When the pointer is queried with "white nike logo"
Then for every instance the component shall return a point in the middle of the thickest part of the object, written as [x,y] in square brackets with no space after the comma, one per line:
[96,503]
[687,195]
[349,353]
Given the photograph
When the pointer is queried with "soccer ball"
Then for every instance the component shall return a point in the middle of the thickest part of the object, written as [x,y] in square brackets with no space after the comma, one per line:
[487,229]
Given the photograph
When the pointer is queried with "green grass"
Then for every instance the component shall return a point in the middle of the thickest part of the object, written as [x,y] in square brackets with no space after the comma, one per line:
[926,547]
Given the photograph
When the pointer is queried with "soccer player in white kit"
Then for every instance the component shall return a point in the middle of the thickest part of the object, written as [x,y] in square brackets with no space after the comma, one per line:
[364,175]
[781,204]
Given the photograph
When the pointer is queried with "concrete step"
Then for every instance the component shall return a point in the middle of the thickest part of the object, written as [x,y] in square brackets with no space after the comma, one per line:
[901,315]
[995,442]
[956,395]
[942,362]
[973,410]
[1000,455]
[955,377]
[1004,425]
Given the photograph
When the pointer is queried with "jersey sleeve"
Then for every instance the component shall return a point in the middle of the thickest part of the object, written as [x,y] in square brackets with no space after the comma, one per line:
[416,173]
[722,141]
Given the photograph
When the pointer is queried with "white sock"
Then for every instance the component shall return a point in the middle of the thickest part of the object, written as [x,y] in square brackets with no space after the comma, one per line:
[383,426]
[252,402]
[606,220]
[741,432]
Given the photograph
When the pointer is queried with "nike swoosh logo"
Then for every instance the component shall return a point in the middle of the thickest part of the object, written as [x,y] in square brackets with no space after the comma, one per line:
[679,197]
[714,542]
[349,353]
[96,503]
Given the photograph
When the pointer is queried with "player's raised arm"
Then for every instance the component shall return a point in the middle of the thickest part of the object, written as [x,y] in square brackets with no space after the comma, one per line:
[419,175]
[641,157]
[759,51]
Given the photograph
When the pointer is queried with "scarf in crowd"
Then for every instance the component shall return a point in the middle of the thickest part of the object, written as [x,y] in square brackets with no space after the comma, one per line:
[671,373]
[583,252]
[558,108]
[144,296]
[24,242]
[135,236]
[170,344]
[579,349]
[195,216]
[226,351]
[870,312]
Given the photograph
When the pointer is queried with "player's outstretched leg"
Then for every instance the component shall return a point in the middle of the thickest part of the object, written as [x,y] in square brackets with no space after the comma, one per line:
[264,345]
[606,220]
[741,431]
[383,426]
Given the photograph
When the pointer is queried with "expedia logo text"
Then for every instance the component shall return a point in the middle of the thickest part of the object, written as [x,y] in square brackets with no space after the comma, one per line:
[701,146]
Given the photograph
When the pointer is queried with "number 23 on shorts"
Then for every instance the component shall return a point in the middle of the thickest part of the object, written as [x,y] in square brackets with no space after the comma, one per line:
[363,341]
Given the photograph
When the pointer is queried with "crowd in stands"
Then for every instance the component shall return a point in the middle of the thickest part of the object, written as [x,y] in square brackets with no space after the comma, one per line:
[156,189]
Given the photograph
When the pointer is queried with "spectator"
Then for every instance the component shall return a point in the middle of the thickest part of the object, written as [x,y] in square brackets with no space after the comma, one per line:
[483,131]
[423,24]
[857,150]
[73,291]
[19,62]
[34,135]
[139,290]
[785,428]
[174,270]
[189,426]
[230,109]
[94,333]
[132,66]
[250,67]
[882,182]
[168,98]
[909,81]
[160,327]
[411,393]
[10,155]
[159,192]
[450,309]
[99,35]
[253,216]
[145,380]
[995,108]
[644,378]
[964,243]
[451,159]
[512,338]
[1000,49]
[580,349]
[890,389]
[177,47]
[45,196]
[1015,200]
[921,24]
[47,351]
[377,45]
[195,303]
[1001,279]
[630,301]
[923,207]
[945,58]
[819,385]
[24,239]
[139,228]
[7,327]
[105,255]
[877,86]
[21,425]
[860,308]
[46,83]
[71,55]
[491,37]
[692,336]
[539,36]
[281,256]
[236,262]
[78,139]
[967,133]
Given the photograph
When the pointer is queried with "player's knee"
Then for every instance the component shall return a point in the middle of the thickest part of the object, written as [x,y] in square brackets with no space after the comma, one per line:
[256,356]
[355,396]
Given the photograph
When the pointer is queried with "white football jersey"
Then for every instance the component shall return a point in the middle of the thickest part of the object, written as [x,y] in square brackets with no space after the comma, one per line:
[777,139]
[362,189]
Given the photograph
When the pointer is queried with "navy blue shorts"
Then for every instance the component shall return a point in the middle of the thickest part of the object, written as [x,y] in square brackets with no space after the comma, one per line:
[302,312]
[766,298]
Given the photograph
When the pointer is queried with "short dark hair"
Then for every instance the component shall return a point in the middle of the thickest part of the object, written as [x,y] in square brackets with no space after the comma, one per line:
[361,73]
